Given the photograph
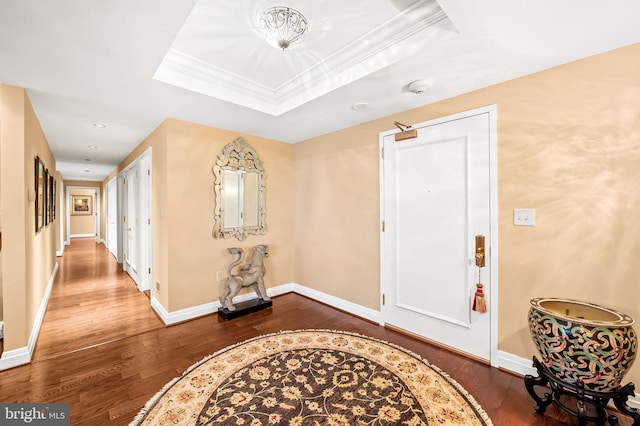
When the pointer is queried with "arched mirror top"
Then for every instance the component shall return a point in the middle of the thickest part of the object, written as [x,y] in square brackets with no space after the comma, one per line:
[239,182]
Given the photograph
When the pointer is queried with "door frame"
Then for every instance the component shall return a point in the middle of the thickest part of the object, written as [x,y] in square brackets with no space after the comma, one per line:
[111,186]
[493,200]
[97,192]
[143,231]
[124,236]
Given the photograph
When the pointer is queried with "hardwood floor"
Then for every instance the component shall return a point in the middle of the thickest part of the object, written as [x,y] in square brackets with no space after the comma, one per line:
[103,350]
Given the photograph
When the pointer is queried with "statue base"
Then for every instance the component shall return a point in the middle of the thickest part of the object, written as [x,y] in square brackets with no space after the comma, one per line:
[244,308]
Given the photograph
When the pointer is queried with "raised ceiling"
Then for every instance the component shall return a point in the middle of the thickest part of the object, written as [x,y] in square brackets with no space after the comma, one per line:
[132,64]
[237,65]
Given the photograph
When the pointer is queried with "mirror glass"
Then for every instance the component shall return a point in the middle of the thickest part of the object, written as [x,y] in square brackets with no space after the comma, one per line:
[239,192]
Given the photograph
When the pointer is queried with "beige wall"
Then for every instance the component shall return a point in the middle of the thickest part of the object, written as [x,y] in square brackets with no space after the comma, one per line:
[568,146]
[185,255]
[28,258]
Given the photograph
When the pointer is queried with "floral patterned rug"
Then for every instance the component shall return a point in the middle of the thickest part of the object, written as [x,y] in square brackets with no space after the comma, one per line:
[312,377]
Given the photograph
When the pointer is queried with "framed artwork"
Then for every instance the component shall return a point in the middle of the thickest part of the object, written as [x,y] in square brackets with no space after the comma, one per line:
[39,193]
[81,205]
[51,199]
[47,201]
[55,201]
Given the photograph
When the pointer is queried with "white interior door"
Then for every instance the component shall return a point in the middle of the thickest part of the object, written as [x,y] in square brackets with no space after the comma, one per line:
[112,217]
[436,198]
[131,223]
[145,247]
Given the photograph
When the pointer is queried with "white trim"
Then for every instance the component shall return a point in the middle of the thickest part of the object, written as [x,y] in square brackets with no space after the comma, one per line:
[60,252]
[15,358]
[344,305]
[170,318]
[81,235]
[23,355]
[516,364]
[186,314]
[1,329]
[522,366]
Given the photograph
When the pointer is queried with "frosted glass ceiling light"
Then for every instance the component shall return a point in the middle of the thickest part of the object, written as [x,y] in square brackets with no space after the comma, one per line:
[283,27]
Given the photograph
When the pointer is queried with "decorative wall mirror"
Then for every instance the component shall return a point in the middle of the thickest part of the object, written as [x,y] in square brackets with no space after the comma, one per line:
[239,192]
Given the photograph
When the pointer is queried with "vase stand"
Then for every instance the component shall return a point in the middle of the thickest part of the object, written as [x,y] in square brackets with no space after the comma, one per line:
[584,398]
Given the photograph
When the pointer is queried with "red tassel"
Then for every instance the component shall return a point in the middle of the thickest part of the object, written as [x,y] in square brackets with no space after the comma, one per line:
[479,304]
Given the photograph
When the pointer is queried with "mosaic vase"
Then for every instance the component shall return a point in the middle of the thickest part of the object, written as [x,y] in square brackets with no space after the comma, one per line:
[583,341]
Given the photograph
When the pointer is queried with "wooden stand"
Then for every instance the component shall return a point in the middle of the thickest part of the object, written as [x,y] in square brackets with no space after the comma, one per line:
[244,308]
[584,397]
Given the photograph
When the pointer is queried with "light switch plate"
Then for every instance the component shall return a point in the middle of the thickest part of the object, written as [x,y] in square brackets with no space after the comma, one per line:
[524,217]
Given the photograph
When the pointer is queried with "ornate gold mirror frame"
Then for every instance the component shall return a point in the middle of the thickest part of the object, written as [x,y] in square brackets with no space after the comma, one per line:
[239,183]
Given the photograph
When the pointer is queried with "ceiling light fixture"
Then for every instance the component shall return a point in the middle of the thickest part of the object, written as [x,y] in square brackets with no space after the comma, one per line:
[283,27]
[100,126]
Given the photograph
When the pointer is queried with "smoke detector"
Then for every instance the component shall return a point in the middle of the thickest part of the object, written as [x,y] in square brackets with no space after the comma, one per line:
[419,87]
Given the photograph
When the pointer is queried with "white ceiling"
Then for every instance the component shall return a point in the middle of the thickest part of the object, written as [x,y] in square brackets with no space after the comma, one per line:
[131,64]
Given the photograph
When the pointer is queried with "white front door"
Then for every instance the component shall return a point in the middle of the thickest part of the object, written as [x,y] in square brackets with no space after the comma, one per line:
[437,197]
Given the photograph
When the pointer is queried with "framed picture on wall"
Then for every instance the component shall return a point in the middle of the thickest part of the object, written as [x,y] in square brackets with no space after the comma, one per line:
[39,193]
[55,201]
[47,201]
[81,205]
[50,198]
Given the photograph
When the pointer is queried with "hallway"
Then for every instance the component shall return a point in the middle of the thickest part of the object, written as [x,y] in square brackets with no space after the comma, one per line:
[93,302]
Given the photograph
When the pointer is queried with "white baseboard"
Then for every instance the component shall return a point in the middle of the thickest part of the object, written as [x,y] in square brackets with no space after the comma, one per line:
[516,364]
[523,366]
[1,329]
[336,302]
[170,318]
[181,315]
[23,355]
[81,235]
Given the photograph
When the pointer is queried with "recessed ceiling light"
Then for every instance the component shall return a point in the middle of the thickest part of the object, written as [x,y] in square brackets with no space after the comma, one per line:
[87,171]
[92,147]
[419,87]
[361,106]
[100,126]
[87,159]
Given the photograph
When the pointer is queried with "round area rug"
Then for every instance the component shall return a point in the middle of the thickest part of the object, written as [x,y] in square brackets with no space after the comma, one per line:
[313,377]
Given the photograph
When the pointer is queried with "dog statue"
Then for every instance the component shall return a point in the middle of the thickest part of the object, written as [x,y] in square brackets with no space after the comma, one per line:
[249,274]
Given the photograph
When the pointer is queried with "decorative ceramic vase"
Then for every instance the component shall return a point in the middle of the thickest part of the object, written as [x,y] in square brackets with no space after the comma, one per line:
[579,340]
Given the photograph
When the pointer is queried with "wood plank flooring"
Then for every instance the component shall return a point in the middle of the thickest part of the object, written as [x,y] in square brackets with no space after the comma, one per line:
[103,350]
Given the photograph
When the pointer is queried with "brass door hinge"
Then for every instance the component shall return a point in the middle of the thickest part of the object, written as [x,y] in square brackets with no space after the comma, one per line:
[384,299]
[149,270]
[382,226]
[382,153]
